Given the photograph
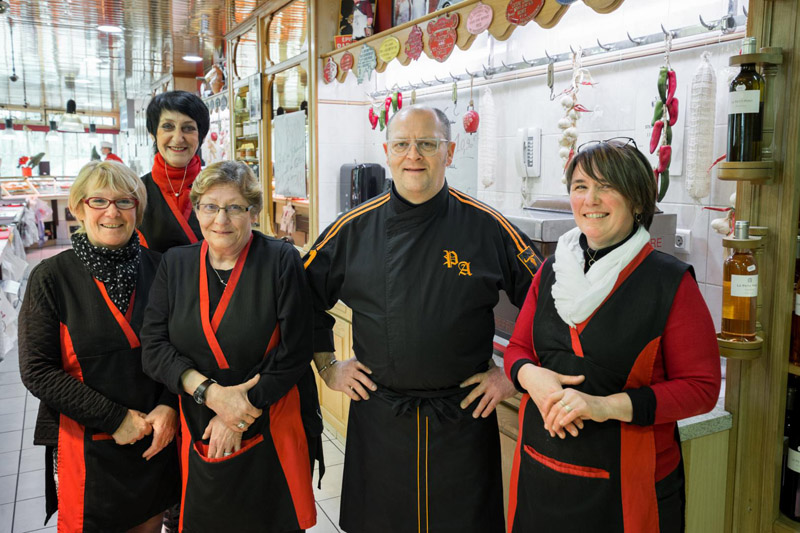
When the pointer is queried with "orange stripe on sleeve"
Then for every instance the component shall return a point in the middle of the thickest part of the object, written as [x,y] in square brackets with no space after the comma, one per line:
[347,217]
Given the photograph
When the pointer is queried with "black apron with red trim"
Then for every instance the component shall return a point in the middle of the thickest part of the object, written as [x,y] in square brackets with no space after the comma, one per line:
[430,480]
[163,226]
[266,486]
[604,479]
[103,486]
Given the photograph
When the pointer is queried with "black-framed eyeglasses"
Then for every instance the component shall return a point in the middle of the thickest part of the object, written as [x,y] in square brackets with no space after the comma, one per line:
[426,147]
[233,210]
[619,142]
[123,204]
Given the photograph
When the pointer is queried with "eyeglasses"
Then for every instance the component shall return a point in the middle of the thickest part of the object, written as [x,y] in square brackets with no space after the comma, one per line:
[618,142]
[426,147]
[233,210]
[123,204]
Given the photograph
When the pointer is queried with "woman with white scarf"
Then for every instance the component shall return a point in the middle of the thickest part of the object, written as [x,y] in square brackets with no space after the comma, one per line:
[613,346]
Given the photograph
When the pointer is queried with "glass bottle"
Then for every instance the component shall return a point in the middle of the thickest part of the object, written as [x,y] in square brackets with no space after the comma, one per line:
[739,290]
[746,110]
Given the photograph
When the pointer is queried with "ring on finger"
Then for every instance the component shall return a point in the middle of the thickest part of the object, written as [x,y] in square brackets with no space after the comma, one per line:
[567,408]
[226,454]
[241,424]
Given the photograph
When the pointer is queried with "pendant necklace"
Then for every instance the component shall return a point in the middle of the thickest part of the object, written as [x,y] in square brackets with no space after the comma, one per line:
[224,283]
[592,259]
[169,181]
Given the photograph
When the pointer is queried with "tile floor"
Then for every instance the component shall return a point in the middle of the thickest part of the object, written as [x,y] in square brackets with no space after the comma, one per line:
[22,463]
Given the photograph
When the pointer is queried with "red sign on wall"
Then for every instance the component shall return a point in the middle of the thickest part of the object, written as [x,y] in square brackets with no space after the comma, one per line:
[414,43]
[442,36]
[521,12]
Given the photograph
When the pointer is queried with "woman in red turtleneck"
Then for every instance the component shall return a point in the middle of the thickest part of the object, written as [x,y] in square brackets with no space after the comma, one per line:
[178,121]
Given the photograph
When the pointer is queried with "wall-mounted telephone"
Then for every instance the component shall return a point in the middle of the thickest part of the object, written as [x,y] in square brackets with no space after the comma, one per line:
[528,152]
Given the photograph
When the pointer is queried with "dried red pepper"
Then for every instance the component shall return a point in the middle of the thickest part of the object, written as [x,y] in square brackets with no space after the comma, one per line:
[672,109]
[664,157]
[656,135]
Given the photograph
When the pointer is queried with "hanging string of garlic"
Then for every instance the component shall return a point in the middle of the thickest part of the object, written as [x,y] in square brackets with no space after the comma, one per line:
[568,124]
[700,129]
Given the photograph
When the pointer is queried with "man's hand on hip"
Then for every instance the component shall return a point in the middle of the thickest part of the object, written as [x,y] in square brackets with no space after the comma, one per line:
[350,377]
[493,387]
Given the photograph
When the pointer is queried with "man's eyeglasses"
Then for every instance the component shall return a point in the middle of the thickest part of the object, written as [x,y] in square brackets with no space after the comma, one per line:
[426,147]
[123,204]
[233,210]
[617,142]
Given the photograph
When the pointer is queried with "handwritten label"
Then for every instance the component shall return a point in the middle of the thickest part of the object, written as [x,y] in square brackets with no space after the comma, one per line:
[290,154]
[366,63]
[331,69]
[414,43]
[389,49]
[346,63]
[521,12]
[479,18]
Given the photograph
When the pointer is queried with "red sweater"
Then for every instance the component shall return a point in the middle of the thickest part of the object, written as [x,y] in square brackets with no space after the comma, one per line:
[686,373]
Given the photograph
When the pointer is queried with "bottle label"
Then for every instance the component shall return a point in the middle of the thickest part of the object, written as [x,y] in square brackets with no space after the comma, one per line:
[744,286]
[793,460]
[743,102]
[797,304]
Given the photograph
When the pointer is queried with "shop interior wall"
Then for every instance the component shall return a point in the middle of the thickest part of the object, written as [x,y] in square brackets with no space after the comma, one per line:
[621,105]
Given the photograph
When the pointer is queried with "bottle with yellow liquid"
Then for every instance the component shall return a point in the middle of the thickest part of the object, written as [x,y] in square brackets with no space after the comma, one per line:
[739,290]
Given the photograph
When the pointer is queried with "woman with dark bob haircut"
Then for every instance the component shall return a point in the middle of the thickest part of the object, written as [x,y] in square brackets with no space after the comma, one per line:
[229,330]
[178,122]
[108,429]
[613,346]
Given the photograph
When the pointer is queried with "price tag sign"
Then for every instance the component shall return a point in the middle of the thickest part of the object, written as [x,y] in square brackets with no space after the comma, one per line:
[442,36]
[389,49]
[414,43]
[346,61]
[366,63]
[479,19]
[520,12]
[331,70]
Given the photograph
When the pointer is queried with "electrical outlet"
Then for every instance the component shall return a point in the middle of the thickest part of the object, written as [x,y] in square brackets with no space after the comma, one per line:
[683,241]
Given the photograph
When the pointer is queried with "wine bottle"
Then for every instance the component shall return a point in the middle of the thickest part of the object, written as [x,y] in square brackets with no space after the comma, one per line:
[746,110]
[794,344]
[739,290]
[790,481]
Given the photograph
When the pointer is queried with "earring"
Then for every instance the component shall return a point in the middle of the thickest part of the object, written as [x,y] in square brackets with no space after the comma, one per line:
[638,218]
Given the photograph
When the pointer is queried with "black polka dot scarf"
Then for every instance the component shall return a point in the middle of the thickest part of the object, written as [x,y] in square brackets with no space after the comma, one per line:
[116,268]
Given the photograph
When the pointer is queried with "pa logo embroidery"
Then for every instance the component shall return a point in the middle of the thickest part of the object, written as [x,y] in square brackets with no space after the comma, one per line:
[451,260]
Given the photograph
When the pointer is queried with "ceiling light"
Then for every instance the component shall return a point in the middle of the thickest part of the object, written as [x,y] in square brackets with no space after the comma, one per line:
[191,58]
[52,135]
[8,133]
[70,121]
[109,28]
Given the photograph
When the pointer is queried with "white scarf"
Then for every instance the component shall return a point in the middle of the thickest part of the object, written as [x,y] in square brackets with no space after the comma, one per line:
[577,294]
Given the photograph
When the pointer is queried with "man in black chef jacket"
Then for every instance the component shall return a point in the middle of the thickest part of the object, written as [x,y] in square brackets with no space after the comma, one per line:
[421,268]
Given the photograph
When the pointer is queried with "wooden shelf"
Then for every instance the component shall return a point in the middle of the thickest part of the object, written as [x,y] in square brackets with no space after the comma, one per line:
[794,369]
[742,244]
[247,137]
[765,56]
[756,172]
[785,525]
[500,28]
[745,351]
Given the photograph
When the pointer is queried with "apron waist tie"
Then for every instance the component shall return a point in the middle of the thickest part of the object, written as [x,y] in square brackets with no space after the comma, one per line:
[441,405]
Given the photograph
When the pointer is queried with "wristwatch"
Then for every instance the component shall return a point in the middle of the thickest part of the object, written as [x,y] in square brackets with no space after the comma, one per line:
[199,393]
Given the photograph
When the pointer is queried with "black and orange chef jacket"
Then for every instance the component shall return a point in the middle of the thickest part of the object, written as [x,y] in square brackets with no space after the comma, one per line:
[163,226]
[259,323]
[603,480]
[422,282]
[82,357]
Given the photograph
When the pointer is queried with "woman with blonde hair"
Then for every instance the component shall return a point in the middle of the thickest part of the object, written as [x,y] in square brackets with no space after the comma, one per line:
[107,427]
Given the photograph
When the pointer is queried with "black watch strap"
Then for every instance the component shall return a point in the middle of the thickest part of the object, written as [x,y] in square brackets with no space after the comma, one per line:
[199,393]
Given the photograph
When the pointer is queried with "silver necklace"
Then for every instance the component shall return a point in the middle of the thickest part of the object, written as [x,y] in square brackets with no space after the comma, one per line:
[224,283]
[169,181]
[592,259]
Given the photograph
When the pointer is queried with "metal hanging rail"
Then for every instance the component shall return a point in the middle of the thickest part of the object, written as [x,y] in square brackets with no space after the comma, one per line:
[727,25]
